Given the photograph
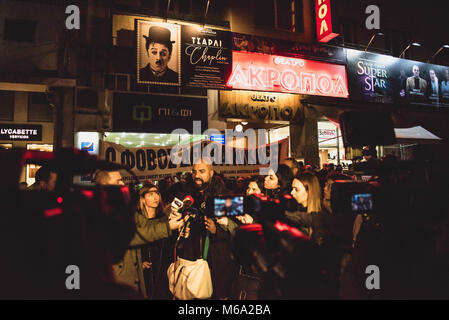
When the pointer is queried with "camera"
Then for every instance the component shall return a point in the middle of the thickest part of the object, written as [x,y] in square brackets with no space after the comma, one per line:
[227,206]
[354,197]
[256,205]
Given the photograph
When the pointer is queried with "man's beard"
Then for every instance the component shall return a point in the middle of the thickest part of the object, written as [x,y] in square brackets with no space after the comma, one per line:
[201,186]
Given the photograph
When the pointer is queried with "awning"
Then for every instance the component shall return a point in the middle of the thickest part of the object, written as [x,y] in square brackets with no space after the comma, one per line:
[415,135]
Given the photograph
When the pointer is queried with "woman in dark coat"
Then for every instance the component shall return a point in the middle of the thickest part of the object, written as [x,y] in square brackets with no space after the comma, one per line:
[157,255]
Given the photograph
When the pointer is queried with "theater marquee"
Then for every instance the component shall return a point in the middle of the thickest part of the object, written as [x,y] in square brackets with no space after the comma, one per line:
[261,72]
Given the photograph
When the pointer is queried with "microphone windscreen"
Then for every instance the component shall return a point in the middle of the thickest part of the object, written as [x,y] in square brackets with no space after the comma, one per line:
[189,198]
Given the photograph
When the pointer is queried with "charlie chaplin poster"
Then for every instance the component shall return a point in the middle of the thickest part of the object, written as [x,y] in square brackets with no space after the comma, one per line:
[158,53]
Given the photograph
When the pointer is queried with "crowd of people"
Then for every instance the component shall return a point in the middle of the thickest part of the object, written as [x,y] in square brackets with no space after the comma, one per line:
[158,223]
[335,266]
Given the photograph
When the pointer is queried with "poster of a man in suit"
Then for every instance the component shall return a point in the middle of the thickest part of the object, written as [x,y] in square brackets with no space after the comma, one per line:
[415,84]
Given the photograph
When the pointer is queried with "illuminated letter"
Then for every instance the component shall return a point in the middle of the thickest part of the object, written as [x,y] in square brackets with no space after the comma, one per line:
[308,82]
[273,76]
[254,76]
[237,78]
[360,67]
[340,88]
[324,27]
[322,12]
[286,83]
[324,84]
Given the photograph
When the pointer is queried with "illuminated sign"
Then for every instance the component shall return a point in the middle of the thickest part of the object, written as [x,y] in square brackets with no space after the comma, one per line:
[324,21]
[253,105]
[20,132]
[326,133]
[254,71]
[218,138]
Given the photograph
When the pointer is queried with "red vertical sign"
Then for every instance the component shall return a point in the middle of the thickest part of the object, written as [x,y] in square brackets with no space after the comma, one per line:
[324,21]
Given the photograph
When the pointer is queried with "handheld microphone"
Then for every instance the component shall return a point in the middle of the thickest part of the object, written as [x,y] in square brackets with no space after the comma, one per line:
[186,204]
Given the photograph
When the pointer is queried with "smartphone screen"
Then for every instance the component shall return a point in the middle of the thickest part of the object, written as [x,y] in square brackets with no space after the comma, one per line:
[228,206]
[362,202]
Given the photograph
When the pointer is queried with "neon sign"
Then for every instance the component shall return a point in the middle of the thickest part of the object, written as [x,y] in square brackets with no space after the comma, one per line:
[324,21]
[254,71]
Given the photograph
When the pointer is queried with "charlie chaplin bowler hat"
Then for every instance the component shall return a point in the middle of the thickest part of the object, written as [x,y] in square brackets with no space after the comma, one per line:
[158,35]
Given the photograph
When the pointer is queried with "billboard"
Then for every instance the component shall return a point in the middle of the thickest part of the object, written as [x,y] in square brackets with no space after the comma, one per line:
[386,79]
[206,57]
[177,54]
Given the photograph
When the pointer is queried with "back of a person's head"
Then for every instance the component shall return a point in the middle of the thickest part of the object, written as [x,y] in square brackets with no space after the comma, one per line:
[312,185]
[285,178]
[43,174]
[295,164]
[257,179]
[102,177]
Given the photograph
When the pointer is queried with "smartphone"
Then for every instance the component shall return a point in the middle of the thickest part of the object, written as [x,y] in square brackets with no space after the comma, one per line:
[362,202]
[228,206]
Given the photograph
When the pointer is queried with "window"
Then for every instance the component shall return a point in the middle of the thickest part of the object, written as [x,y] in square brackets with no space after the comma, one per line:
[19,30]
[7,105]
[87,99]
[32,168]
[281,14]
[348,31]
[39,108]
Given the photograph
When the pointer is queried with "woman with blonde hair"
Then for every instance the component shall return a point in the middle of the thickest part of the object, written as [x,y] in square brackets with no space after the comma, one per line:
[320,225]
[307,191]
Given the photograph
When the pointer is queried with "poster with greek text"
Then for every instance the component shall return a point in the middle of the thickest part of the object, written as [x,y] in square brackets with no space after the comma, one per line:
[206,57]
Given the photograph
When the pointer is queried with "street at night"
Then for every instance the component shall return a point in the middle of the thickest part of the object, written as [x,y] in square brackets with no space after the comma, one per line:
[224,156]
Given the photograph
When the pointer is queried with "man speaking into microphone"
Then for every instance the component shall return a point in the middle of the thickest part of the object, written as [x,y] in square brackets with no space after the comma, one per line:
[204,185]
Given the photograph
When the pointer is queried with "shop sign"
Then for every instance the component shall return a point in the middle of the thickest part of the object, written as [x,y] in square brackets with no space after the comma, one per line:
[178,54]
[20,132]
[326,133]
[386,79]
[259,106]
[155,163]
[157,113]
[220,138]
[252,71]
[323,16]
